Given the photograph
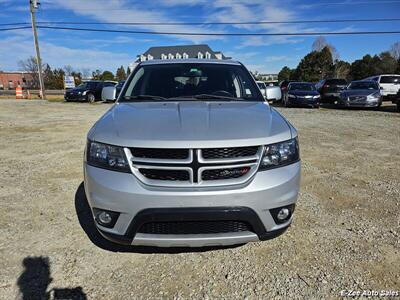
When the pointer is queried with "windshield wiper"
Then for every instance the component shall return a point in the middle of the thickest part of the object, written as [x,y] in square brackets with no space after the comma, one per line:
[211,96]
[207,97]
[144,97]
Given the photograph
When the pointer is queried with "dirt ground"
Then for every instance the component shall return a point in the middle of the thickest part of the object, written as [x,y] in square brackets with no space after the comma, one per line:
[345,235]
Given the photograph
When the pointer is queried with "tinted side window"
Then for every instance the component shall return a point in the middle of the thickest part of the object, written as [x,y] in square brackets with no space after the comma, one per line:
[390,79]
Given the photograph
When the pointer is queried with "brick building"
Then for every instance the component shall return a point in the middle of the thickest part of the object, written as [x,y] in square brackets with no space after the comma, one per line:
[10,80]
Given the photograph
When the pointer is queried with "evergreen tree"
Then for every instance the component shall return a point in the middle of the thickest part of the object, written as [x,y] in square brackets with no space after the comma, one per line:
[120,74]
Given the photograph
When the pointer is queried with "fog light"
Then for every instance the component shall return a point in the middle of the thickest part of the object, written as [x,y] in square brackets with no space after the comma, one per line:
[283,214]
[105,218]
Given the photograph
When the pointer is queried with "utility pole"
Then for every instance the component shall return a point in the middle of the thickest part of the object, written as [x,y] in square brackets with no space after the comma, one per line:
[34,4]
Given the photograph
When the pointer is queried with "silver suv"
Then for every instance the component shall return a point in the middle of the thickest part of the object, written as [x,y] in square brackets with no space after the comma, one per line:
[191,154]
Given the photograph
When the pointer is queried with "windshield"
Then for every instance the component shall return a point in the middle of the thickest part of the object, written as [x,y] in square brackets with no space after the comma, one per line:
[301,87]
[390,79]
[363,85]
[336,82]
[87,85]
[191,80]
[261,85]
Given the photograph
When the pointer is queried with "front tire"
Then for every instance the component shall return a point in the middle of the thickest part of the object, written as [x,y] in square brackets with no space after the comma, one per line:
[91,98]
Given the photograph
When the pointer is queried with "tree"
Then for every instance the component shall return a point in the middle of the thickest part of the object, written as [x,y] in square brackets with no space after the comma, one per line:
[341,69]
[30,65]
[96,75]
[320,43]
[315,66]
[373,65]
[48,77]
[120,74]
[68,70]
[77,77]
[85,73]
[395,50]
[361,68]
[107,75]
[128,71]
[58,77]
[255,74]
[387,64]
[285,74]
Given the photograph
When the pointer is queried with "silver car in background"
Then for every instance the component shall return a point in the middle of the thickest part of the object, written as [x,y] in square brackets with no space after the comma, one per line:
[191,154]
[362,93]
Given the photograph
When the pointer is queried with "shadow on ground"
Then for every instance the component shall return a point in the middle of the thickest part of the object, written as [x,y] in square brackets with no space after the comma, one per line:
[35,279]
[87,223]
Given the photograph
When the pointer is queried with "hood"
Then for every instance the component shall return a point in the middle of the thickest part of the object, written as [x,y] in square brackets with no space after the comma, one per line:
[303,93]
[190,124]
[349,93]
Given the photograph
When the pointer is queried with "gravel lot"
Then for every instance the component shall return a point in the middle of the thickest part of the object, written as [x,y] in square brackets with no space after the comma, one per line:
[345,235]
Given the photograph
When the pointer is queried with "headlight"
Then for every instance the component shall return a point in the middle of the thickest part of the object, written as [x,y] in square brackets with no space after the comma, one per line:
[292,96]
[316,97]
[106,157]
[280,154]
[84,93]
[375,95]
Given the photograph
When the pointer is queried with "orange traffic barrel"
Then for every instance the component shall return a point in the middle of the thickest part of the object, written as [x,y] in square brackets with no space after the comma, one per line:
[18,93]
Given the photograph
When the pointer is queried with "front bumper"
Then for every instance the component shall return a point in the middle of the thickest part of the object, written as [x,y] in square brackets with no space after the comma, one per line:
[74,97]
[306,102]
[124,193]
[330,97]
[364,103]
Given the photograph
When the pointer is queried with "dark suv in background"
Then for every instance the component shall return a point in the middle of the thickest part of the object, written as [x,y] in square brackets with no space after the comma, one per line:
[284,84]
[330,89]
[87,91]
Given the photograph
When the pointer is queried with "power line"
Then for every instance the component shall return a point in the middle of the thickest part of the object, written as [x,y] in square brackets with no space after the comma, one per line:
[223,23]
[15,28]
[205,33]
[14,24]
[219,34]
[207,23]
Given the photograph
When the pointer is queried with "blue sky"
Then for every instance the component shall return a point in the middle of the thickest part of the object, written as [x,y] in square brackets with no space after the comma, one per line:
[107,51]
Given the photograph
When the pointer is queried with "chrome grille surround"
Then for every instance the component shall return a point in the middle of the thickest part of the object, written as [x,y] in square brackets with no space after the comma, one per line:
[195,165]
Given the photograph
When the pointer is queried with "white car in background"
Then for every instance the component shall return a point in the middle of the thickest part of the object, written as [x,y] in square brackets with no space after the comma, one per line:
[262,87]
[389,84]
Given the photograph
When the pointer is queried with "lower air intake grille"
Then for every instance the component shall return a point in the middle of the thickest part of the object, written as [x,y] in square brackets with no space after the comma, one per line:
[217,174]
[194,227]
[171,175]
[215,153]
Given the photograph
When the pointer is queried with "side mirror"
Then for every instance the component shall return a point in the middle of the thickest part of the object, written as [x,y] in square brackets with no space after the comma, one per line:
[109,93]
[273,93]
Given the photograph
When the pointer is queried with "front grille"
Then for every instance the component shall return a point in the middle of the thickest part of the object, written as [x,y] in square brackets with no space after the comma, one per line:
[227,173]
[195,227]
[215,153]
[157,153]
[191,167]
[169,175]
[357,98]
